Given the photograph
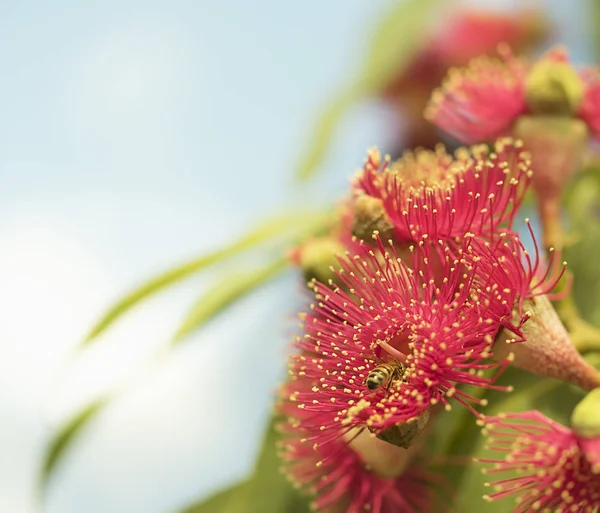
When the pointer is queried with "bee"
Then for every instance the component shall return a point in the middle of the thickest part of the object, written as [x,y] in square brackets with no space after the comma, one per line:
[384,374]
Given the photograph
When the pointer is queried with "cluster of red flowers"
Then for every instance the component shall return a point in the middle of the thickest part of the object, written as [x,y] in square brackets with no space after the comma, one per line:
[549,105]
[436,293]
[461,36]
[483,101]
[425,307]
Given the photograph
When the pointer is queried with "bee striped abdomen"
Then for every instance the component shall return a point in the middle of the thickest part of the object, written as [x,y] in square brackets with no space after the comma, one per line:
[383,375]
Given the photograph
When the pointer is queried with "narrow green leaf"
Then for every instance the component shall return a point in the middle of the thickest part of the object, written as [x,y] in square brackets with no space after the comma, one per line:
[222,296]
[227,293]
[227,290]
[267,490]
[286,225]
[63,439]
[323,134]
[399,36]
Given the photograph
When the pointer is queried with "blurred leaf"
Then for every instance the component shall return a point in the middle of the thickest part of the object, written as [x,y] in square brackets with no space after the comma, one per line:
[62,440]
[267,491]
[594,20]
[593,358]
[559,403]
[400,35]
[225,292]
[324,132]
[446,434]
[229,291]
[219,502]
[582,203]
[395,41]
[286,225]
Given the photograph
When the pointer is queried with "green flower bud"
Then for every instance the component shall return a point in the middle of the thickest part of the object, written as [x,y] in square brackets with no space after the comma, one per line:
[317,257]
[370,216]
[553,87]
[403,435]
[585,419]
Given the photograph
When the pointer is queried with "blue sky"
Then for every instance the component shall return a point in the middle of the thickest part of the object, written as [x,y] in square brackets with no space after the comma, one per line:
[136,134]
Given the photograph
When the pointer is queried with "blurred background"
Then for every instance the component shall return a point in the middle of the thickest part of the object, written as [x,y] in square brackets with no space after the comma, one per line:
[137,134]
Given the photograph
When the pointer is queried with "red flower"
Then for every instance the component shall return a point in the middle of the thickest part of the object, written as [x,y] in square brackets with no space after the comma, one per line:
[432,195]
[353,474]
[482,101]
[533,334]
[554,474]
[508,265]
[473,33]
[589,110]
[438,322]
[591,448]
[462,36]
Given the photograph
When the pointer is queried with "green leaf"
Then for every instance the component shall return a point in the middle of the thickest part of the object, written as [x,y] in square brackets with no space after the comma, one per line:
[219,502]
[222,296]
[63,439]
[228,292]
[399,36]
[267,491]
[285,225]
[324,132]
[594,26]
[583,208]
[230,288]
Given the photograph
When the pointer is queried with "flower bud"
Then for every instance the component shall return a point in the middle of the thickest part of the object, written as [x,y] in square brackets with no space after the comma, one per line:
[370,216]
[317,256]
[585,422]
[380,457]
[585,419]
[403,435]
[547,350]
[553,87]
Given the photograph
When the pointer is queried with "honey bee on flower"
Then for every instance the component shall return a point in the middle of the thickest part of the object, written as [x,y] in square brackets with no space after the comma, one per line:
[384,375]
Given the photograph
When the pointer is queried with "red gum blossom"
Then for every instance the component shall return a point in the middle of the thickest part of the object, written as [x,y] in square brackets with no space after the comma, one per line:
[339,478]
[442,328]
[432,195]
[554,473]
[482,101]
